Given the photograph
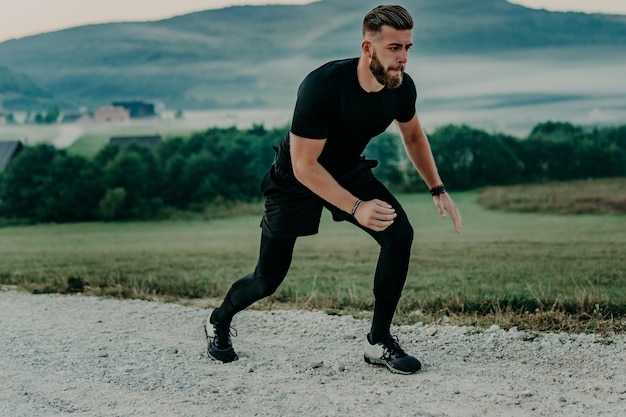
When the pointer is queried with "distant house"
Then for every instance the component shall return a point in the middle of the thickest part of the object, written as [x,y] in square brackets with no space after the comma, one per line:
[111,114]
[138,109]
[8,151]
[150,142]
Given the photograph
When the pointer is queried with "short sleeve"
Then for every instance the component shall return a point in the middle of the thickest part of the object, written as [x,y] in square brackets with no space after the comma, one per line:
[312,109]
[408,96]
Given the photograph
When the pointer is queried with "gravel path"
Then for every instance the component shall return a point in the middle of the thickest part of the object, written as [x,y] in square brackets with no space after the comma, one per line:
[84,356]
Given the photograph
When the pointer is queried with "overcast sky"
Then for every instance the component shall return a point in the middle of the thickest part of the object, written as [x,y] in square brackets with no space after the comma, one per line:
[19,18]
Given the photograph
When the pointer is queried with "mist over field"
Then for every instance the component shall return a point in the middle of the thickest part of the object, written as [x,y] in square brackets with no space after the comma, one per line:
[514,91]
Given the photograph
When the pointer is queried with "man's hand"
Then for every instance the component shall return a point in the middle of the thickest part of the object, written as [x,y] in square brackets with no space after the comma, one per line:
[444,203]
[375,214]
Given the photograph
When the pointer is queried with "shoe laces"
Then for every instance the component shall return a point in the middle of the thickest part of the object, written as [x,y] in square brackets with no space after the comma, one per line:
[392,346]
[223,332]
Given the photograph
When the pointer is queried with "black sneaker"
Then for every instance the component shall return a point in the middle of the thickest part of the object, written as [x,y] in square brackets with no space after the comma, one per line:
[388,352]
[220,347]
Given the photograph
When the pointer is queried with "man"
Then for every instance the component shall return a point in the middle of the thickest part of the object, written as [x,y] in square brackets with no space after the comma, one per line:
[340,107]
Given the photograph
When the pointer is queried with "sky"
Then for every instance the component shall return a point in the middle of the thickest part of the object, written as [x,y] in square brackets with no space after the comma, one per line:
[19,18]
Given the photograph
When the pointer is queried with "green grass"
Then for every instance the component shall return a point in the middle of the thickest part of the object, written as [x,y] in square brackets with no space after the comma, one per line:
[89,144]
[535,271]
[601,196]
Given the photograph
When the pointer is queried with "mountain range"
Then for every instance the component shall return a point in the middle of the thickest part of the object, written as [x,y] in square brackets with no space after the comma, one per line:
[255,56]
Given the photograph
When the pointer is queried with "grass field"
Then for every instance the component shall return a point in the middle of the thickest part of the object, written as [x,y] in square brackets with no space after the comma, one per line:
[535,271]
[599,196]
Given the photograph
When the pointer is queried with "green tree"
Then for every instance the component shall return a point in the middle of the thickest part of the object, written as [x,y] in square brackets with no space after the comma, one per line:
[73,191]
[171,157]
[614,139]
[199,178]
[52,115]
[555,131]
[45,184]
[470,158]
[25,182]
[615,135]
[387,150]
[112,205]
[218,163]
[134,169]
[548,153]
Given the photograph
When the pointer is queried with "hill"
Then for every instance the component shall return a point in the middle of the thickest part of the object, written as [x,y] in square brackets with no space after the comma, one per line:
[18,90]
[250,56]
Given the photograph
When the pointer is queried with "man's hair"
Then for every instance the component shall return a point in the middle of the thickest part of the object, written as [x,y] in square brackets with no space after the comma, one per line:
[391,15]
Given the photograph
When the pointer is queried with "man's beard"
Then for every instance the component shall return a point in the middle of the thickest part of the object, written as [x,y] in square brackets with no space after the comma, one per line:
[382,76]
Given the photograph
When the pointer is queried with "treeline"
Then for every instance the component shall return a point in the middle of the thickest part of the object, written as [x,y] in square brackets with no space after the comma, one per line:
[469,158]
[44,184]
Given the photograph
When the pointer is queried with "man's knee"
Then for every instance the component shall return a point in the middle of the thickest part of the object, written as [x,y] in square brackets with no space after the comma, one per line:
[399,236]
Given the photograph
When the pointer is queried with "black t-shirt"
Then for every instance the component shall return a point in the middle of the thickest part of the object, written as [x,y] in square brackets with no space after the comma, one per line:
[332,105]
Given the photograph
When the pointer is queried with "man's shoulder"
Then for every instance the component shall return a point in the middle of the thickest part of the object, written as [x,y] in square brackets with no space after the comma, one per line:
[338,65]
[333,70]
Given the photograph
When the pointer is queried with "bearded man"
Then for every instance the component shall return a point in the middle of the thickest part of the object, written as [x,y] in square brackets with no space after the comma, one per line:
[340,107]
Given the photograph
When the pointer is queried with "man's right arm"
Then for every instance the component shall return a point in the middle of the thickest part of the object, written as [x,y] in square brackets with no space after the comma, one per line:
[374,214]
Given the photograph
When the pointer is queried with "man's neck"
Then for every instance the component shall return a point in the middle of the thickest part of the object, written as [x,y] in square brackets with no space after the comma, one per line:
[366,78]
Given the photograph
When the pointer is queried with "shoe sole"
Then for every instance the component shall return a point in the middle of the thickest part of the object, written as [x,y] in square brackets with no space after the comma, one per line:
[213,358]
[380,362]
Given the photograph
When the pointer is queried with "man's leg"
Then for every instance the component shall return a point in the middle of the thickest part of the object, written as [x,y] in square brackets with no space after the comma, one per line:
[275,256]
[395,247]
[391,271]
[392,266]
[274,260]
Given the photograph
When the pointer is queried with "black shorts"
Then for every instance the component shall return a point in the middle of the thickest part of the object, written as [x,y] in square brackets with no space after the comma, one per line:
[293,210]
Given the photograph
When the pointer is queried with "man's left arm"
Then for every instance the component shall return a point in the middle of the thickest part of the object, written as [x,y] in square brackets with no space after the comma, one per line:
[418,149]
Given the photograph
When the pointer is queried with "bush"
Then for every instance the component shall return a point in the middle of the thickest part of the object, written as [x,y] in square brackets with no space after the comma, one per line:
[112,204]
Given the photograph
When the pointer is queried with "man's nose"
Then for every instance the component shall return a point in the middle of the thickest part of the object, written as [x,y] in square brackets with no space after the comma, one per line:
[403,57]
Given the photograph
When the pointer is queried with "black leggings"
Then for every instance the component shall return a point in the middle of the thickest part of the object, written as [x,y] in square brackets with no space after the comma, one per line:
[274,261]
[275,258]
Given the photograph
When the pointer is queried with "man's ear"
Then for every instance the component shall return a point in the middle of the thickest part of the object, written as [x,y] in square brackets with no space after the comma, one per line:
[366,48]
